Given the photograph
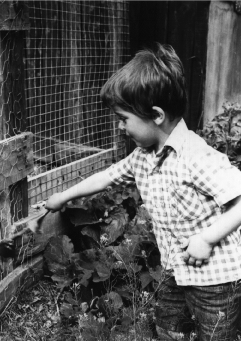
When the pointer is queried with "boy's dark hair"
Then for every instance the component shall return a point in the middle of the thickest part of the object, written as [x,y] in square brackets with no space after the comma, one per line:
[151,78]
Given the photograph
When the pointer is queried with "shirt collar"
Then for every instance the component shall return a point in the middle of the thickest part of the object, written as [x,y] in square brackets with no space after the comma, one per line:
[176,138]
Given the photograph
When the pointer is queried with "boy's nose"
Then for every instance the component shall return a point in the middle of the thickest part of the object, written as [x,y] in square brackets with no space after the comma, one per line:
[121,125]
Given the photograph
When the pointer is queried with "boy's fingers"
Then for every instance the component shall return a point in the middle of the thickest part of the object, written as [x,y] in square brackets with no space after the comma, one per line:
[199,263]
[185,243]
[185,256]
[191,261]
[9,242]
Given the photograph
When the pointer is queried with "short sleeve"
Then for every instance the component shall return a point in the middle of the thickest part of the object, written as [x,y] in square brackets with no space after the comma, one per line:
[213,175]
[122,171]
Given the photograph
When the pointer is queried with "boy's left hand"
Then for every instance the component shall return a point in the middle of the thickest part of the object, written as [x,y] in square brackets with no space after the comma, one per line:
[197,250]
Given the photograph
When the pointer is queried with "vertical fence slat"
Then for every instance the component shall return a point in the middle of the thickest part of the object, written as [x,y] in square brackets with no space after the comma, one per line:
[13,196]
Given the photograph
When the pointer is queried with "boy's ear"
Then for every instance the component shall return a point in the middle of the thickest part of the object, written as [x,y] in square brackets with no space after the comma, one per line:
[159,115]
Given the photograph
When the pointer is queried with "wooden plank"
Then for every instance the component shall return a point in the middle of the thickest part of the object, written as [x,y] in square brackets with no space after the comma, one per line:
[22,277]
[62,178]
[14,106]
[181,35]
[15,153]
[16,159]
[14,16]
[198,65]
[148,24]
[18,195]
[67,153]
[72,128]
[29,262]
[223,78]
[12,97]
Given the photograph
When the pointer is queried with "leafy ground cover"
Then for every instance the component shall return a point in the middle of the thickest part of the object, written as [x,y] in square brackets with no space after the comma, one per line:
[102,276]
[223,132]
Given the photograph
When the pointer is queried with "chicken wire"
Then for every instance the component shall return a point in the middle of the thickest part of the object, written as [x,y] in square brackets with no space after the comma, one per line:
[15,148]
[72,48]
[55,56]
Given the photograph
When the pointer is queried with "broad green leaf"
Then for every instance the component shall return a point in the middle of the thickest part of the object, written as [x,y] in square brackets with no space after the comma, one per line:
[145,279]
[135,267]
[81,217]
[158,274]
[59,251]
[62,281]
[87,259]
[85,277]
[116,300]
[116,227]
[97,278]
[67,309]
[102,270]
[92,231]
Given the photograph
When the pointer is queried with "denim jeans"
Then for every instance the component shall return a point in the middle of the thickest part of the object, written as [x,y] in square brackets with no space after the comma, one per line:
[214,310]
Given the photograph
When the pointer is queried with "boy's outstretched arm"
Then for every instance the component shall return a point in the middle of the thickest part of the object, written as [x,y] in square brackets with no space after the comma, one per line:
[199,246]
[91,185]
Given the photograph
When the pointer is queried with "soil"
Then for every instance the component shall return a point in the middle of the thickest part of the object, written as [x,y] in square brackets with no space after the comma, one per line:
[34,315]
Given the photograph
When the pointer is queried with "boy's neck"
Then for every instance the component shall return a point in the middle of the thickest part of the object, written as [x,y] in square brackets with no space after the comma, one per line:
[165,130]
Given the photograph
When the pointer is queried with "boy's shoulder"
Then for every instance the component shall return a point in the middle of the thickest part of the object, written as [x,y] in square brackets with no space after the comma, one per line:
[195,143]
[197,150]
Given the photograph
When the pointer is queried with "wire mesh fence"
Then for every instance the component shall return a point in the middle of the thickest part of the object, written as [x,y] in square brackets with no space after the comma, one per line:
[15,145]
[54,58]
[71,50]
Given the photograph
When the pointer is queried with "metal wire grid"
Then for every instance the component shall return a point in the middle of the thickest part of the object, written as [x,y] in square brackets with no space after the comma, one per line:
[13,188]
[71,50]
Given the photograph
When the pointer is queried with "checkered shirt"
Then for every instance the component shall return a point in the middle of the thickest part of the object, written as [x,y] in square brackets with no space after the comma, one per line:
[184,194]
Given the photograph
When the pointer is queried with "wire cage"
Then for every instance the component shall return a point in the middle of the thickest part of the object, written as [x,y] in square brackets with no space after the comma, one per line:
[71,50]
[54,131]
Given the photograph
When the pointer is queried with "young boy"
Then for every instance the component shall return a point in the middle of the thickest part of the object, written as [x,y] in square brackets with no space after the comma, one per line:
[190,190]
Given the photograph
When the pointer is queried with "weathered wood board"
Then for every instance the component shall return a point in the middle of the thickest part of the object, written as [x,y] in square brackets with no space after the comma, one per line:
[50,150]
[223,76]
[40,187]
[16,162]
[29,259]
[14,16]
[22,277]
[16,159]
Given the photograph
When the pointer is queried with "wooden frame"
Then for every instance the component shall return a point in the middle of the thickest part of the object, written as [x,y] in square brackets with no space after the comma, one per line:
[43,185]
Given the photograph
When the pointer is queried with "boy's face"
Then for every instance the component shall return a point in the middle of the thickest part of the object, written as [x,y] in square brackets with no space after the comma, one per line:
[142,131]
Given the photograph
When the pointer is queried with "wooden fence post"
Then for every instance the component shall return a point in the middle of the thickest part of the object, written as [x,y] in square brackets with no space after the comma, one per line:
[13,147]
[223,77]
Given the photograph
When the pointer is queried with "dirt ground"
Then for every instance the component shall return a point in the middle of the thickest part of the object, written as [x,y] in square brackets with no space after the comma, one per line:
[34,315]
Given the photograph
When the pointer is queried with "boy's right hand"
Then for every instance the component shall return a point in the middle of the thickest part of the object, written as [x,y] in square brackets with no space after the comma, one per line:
[55,202]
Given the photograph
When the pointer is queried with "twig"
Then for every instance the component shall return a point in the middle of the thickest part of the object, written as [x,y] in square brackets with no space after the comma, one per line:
[14,298]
